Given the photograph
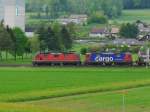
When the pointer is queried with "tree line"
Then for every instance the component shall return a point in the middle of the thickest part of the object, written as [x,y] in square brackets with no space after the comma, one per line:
[53,37]
[55,8]
[136,4]
[12,41]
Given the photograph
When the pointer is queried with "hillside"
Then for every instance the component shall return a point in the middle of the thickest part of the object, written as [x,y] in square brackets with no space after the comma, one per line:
[133,15]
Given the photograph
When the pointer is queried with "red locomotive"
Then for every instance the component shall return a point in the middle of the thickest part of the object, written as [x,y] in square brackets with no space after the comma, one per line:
[56,58]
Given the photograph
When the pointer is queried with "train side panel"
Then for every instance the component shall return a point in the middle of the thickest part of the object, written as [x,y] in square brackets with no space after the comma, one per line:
[123,58]
[99,58]
[108,58]
[56,58]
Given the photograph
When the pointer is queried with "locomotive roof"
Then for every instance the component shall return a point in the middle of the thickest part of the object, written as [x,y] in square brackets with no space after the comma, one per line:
[111,53]
[56,53]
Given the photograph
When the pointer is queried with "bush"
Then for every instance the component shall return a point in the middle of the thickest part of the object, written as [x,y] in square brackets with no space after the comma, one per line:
[124,48]
[98,18]
[129,30]
[96,48]
[83,51]
[134,49]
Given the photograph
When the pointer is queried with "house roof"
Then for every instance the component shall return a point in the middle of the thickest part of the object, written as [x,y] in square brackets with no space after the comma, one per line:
[77,16]
[98,30]
[115,30]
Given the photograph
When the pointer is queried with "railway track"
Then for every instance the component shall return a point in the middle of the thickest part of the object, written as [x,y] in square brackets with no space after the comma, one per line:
[16,65]
[82,65]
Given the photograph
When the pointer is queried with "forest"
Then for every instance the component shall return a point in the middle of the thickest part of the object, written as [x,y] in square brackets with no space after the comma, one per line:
[111,8]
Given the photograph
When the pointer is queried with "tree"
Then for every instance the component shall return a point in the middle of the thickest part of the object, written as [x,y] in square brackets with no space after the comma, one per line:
[98,18]
[136,4]
[72,28]
[66,38]
[129,30]
[5,39]
[83,51]
[51,40]
[34,44]
[46,10]
[55,37]
[55,8]
[28,47]
[41,33]
[14,45]
[58,45]
[65,5]
[111,8]
[49,37]
[20,42]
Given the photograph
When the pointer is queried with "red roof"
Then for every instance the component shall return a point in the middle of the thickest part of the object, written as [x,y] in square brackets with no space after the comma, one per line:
[115,30]
[98,30]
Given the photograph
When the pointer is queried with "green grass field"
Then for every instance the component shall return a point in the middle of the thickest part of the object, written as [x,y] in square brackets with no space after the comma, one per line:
[73,89]
[134,15]
[9,59]
[127,16]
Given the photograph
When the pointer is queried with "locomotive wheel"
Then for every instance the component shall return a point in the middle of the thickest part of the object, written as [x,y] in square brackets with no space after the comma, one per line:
[37,64]
[141,64]
[78,63]
[108,64]
[34,64]
[52,64]
[61,64]
[130,64]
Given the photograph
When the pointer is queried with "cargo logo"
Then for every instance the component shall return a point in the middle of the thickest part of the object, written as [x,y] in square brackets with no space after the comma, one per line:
[104,59]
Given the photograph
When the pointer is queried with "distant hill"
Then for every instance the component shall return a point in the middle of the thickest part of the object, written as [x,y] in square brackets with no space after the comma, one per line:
[111,8]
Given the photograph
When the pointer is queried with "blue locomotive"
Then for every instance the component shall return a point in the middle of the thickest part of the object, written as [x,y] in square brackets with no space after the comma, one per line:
[108,58]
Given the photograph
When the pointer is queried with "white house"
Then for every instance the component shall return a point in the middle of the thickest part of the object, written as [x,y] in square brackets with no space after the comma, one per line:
[12,12]
[143,27]
[114,32]
[98,32]
[79,19]
[76,19]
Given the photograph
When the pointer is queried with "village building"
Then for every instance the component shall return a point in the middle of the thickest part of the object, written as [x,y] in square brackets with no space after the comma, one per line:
[143,28]
[104,32]
[98,32]
[29,32]
[76,19]
[12,12]
[79,19]
[114,32]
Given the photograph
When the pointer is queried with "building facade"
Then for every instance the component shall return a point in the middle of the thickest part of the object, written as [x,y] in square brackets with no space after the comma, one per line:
[12,12]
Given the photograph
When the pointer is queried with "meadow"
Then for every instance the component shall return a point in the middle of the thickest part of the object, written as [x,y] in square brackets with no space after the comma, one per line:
[134,15]
[72,89]
[127,16]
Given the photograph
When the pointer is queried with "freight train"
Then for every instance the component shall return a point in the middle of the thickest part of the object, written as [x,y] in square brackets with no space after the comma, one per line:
[101,58]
